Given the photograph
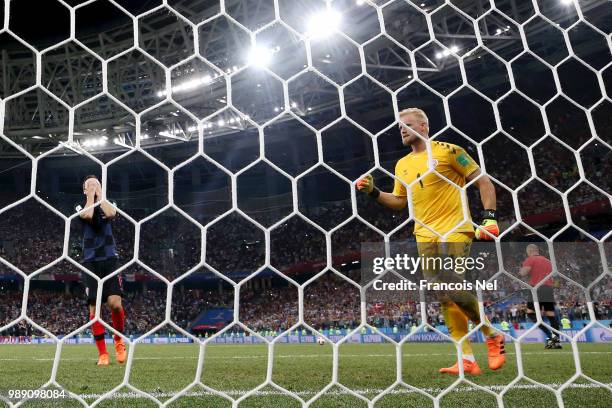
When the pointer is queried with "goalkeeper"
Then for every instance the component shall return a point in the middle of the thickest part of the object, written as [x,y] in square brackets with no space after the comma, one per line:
[100,257]
[437,204]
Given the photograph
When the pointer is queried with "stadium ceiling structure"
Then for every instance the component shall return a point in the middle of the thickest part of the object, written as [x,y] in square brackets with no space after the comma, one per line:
[37,121]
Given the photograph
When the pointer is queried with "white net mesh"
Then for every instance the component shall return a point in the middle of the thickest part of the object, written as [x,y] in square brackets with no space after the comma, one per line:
[520,85]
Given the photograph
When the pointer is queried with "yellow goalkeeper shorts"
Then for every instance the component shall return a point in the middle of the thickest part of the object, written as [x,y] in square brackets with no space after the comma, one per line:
[434,252]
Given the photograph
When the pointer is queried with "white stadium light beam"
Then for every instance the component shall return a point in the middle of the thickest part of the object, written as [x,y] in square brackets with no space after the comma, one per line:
[323,24]
[260,56]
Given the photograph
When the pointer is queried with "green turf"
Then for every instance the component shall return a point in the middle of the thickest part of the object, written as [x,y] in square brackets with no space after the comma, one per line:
[306,370]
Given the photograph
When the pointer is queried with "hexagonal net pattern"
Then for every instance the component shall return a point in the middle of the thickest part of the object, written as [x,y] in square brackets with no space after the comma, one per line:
[522,86]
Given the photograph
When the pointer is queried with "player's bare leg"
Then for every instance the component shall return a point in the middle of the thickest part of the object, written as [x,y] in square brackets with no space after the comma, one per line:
[97,329]
[118,315]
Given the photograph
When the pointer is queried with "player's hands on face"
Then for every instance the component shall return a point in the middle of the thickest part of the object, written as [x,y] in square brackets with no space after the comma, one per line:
[91,186]
[88,188]
[489,224]
[98,188]
[365,184]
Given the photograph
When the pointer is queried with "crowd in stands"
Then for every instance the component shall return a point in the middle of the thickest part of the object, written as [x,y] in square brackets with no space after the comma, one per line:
[292,243]
[329,302]
[61,313]
[30,245]
[517,313]
[31,236]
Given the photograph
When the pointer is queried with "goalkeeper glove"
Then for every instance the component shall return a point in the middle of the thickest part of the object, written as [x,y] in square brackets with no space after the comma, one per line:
[366,184]
[489,224]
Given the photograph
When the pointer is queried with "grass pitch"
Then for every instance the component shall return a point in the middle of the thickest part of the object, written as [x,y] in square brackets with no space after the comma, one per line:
[367,369]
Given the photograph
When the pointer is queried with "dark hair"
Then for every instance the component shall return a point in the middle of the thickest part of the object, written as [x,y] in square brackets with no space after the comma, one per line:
[89,176]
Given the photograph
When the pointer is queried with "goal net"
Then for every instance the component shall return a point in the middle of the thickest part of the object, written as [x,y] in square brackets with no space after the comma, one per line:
[230,138]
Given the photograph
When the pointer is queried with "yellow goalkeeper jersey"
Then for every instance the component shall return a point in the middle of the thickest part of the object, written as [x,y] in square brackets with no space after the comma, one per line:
[436,202]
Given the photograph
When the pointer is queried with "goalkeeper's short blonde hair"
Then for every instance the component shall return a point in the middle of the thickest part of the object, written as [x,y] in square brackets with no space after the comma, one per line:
[419,113]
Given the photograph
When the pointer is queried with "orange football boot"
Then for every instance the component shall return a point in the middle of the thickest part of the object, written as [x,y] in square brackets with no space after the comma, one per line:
[120,353]
[468,368]
[497,352]
[103,360]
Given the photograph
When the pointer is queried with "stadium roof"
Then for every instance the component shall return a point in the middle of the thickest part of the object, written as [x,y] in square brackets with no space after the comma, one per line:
[37,121]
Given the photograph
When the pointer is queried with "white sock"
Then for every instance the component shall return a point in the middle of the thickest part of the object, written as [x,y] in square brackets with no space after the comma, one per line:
[469,357]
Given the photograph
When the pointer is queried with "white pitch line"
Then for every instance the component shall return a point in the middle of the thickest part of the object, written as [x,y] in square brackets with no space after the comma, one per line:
[399,390]
[264,356]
